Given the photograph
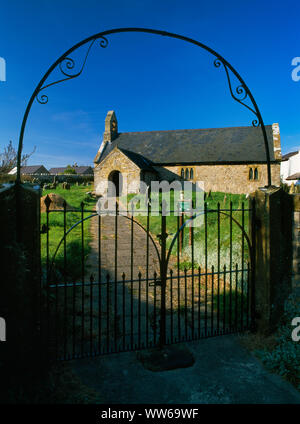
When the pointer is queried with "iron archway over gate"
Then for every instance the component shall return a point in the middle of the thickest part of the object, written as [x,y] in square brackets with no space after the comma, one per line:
[66,64]
[242,94]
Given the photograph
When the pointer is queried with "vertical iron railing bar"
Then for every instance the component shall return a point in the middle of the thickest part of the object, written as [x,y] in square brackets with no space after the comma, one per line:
[192,247]
[185,305]
[212,300]
[243,258]
[163,272]
[91,316]
[107,312]
[171,305]
[74,320]
[230,266]
[205,254]
[248,294]
[199,301]
[48,275]
[116,278]
[147,272]
[124,311]
[218,243]
[224,301]
[236,297]
[99,284]
[218,304]
[82,278]
[139,310]
[65,279]
[178,308]
[178,274]
[154,309]
[253,256]
[56,319]
[131,276]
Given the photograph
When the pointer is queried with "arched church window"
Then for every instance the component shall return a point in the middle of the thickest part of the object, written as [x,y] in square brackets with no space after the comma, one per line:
[256,174]
[191,174]
[182,173]
[187,174]
[250,174]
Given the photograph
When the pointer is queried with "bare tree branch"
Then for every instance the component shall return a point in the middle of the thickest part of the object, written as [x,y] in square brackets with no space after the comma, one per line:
[8,159]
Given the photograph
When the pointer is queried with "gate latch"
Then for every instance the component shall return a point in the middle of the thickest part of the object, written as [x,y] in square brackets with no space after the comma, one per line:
[155,283]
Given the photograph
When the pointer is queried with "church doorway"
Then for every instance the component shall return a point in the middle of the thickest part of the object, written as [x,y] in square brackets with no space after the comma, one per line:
[116,178]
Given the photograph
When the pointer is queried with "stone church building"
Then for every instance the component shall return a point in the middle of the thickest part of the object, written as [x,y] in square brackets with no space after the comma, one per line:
[229,160]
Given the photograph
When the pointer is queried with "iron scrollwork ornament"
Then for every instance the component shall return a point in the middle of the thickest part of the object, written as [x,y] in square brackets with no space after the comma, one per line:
[240,93]
[66,65]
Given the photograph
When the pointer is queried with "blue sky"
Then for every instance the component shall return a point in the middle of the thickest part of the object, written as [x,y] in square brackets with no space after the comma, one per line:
[152,82]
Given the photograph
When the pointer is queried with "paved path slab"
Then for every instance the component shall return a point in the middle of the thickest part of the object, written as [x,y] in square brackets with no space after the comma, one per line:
[223,373]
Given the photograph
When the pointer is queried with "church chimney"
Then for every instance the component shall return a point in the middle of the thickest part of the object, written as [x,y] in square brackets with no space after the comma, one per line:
[111,127]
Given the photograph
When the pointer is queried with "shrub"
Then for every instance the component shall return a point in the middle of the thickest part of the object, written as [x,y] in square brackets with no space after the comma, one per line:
[284,358]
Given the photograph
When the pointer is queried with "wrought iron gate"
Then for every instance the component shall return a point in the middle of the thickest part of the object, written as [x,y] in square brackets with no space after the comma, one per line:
[113,284]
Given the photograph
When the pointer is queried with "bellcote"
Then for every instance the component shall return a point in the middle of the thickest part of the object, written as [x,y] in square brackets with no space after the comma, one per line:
[111,127]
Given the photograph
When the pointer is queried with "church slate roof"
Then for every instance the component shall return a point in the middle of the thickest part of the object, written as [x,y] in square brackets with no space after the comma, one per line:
[212,145]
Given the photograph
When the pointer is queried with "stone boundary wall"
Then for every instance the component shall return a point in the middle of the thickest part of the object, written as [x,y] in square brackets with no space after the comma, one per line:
[45,179]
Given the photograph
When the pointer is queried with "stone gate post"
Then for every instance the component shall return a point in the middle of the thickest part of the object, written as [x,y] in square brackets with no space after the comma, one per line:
[20,275]
[273,255]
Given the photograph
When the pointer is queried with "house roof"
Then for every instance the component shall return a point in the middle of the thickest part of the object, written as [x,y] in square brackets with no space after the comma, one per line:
[288,155]
[212,145]
[83,169]
[57,170]
[13,171]
[32,169]
[294,176]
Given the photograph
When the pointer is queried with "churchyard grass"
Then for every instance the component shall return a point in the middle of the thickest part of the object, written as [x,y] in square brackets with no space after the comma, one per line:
[73,197]
[212,201]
